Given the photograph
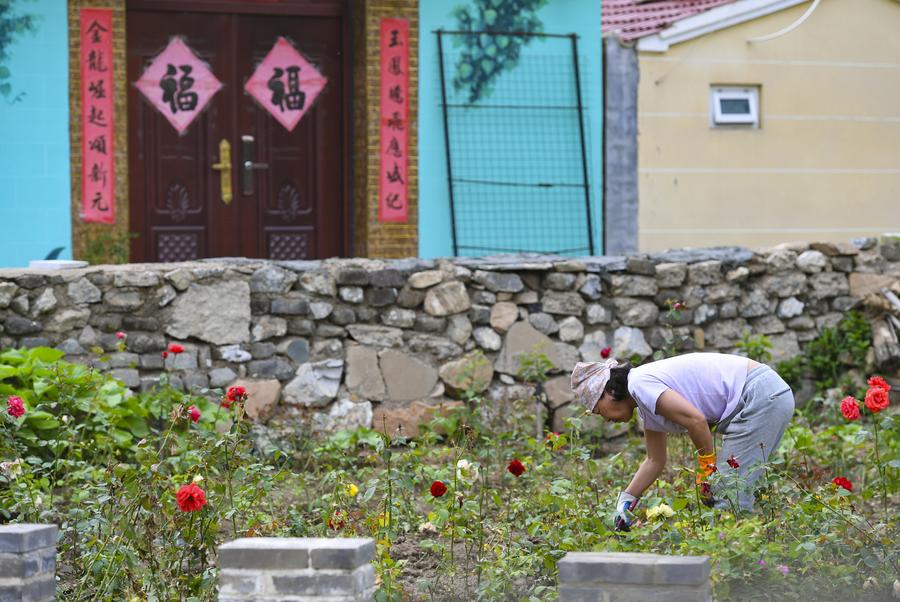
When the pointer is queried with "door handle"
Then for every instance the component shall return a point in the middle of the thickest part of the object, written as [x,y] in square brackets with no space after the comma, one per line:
[224,169]
[248,165]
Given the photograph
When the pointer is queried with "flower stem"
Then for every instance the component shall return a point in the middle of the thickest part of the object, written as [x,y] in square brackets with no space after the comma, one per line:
[880,470]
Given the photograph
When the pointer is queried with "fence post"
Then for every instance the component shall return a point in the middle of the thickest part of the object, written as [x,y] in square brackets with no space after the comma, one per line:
[27,563]
[295,568]
[625,577]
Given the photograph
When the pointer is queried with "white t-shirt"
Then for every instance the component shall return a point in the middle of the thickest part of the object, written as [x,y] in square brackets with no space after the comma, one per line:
[712,382]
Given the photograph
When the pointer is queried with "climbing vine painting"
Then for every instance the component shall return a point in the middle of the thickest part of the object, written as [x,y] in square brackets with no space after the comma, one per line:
[489,50]
[12,25]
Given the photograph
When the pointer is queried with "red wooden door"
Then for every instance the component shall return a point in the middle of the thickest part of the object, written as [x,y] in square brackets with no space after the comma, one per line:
[289,189]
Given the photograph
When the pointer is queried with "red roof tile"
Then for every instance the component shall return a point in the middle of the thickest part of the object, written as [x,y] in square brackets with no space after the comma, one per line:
[633,19]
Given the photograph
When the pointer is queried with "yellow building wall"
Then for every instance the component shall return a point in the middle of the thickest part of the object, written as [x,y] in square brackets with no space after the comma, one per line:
[824,164]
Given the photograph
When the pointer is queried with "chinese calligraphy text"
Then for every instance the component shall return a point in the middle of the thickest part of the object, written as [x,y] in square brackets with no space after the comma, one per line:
[393,203]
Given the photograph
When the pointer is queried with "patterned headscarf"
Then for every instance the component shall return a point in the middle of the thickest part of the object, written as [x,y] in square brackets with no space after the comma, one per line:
[589,380]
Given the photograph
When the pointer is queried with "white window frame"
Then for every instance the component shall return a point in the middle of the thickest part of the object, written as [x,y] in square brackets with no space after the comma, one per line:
[719,93]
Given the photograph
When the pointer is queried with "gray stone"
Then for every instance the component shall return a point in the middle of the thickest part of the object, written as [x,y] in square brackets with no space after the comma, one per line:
[409,298]
[296,349]
[32,342]
[737,275]
[71,347]
[426,323]
[784,346]
[352,275]
[521,339]
[790,307]
[7,293]
[801,323]
[812,262]
[571,330]
[487,338]
[123,360]
[351,294]
[196,381]
[301,326]
[328,348]
[439,347]
[755,304]
[180,278]
[234,354]
[123,300]
[376,336]
[471,373]
[261,351]
[705,314]
[315,383]
[632,286]
[480,314]
[828,284]
[728,310]
[186,360]
[320,283]
[380,297]
[68,319]
[592,346]
[784,285]
[398,317]
[629,341]
[830,320]
[869,261]
[82,292]
[719,293]
[271,368]
[326,331]
[842,264]
[131,323]
[459,328]
[503,315]
[485,297]
[635,312]
[544,323]
[363,373]
[17,325]
[342,415]
[320,309]
[559,282]
[567,356]
[406,378]
[136,279]
[164,295]
[290,306]
[592,287]
[670,275]
[216,313]
[387,278]
[640,265]
[781,261]
[570,304]
[598,314]
[768,325]
[705,272]
[129,376]
[526,297]
[272,279]
[425,279]
[447,298]
[499,281]
[20,304]
[266,327]
[725,333]
[844,303]
[220,377]
[343,315]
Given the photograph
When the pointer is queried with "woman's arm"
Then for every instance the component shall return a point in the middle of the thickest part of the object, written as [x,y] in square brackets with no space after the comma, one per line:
[652,465]
[679,410]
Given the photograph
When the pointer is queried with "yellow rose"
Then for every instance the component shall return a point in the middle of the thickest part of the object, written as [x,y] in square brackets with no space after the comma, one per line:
[351,490]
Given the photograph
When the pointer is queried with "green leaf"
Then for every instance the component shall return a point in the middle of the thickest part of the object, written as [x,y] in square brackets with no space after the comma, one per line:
[41,420]
[46,354]
[137,426]
[121,437]
[7,372]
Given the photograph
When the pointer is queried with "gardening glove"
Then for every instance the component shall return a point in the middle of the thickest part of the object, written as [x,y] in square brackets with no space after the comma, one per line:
[706,465]
[625,506]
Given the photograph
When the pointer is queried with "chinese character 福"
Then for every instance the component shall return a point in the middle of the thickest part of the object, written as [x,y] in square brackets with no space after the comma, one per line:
[176,93]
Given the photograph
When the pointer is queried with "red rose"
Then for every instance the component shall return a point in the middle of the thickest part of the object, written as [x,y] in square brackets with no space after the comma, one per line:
[194,413]
[236,394]
[877,399]
[14,406]
[176,348]
[190,498]
[678,306]
[604,353]
[842,482]
[516,468]
[336,521]
[732,461]
[438,489]
[850,408]
[165,354]
[877,381]
[120,335]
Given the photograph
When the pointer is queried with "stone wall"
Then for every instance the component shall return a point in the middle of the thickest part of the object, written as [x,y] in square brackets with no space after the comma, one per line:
[28,562]
[348,342]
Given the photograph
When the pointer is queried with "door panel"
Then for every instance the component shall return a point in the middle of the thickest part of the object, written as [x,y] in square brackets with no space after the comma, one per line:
[296,207]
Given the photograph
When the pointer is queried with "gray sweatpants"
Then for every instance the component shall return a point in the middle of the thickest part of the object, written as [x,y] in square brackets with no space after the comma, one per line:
[751,434]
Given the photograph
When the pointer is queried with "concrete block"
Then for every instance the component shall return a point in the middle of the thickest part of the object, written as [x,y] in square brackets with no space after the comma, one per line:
[266,553]
[232,582]
[344,553]
[27,537]
[325,583]
[612,567]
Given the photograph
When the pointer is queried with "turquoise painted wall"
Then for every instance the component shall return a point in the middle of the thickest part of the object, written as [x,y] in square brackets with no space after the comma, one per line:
[581,17]
[34,137]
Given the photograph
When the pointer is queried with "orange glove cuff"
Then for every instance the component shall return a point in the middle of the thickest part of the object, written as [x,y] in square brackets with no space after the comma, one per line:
[706,465]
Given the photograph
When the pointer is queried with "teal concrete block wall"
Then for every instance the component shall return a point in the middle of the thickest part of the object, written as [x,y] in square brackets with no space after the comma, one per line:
[580,17]
[34,130]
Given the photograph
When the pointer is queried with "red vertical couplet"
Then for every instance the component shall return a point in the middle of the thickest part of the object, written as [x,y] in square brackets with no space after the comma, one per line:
[393,203]
[97,176]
